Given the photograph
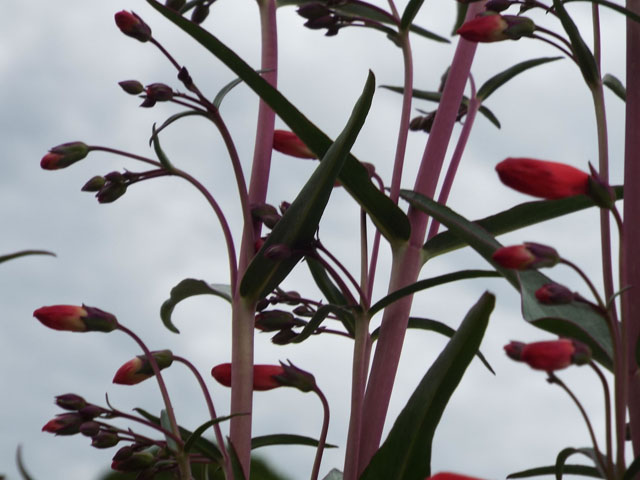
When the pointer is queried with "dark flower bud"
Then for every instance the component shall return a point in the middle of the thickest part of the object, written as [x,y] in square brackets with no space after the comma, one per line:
[554,294]
[159,92]
[266,213]
[304,311]
[274,320]
[284,206]
[283,337]
[279,251]
[326,21]
[296,377]
[70,401]
[133,460]
[262,304]
[498,5]
[111,192]
[132,87]
[600,191]
[175,4]
[422,123]
[313,10]
[105,439]
[92,411]
[200,13]
[94,184]
[64,424]
[90,428]
[133,26]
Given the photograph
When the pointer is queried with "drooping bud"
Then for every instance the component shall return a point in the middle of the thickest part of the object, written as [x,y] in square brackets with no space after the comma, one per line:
[133,26]
[289,144]
[550,355]
[76,319]
[492,27]
[71,401]
[540,178]
[527,256]
[64,155]
[263,375]
[139,368]
[132,87]
[64,424]
[554,294]
[296,377]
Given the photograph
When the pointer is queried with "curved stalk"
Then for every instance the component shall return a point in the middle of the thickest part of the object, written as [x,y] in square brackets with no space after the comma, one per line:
[323,434]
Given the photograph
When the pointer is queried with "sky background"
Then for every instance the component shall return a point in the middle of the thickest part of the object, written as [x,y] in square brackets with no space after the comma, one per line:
[59,67]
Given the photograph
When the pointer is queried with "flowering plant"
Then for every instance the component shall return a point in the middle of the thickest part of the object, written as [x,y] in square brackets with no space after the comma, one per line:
[268,249]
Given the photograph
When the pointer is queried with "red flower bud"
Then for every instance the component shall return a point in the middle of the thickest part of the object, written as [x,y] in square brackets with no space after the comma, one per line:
[289,144]
[527,256]
[492,27]
[542,179]
[139,368]
[263,375]
[64,424]
[550,355]
[554,294]
[76,319]
[70,401]
[133,26]
[64,155]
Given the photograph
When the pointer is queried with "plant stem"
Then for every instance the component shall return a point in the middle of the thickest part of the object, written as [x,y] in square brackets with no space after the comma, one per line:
[607,414]
[323,434]
[127,154]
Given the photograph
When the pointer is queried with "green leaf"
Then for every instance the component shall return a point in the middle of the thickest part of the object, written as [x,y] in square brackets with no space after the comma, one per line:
[166,424]
[227,88]
[162,157]
[460,16]
[236,467]
[615,85]
[633,469]
[434,326]
[298,225]
[520,216]
[331,292]
[566,453]
[428,283]
[503,77]
[20,463]
[410,12]
[489,115]
[631,15]
[583,55]
[323,312]
[24,253]
[188,288]
[386,215]
[584,470]
[406,453]
[197,433]
[574,320]
[285,439]
[334,474]
[201,445]
[172,119]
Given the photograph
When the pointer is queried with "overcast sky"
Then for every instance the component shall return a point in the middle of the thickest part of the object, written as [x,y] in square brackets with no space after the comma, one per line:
[59,67]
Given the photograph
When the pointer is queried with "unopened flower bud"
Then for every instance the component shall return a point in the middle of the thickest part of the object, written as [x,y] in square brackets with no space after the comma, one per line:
[492,27]
[139,368]
[175,4]
[200,13]
[64,424]
[284,206]
[133,26]
[550,355]
[92,411]
[70,401]
[94,184]
[289,144]
[76,319]
[284,337]
[498,5]
[263,375]
[304,311]
[111,191]
[422,123]
[313,10]
[159,92]
[105,439]
[600,191]
[266,213]
[554,294]
[527,256]
[274,320]
[129,460]
[296,377]
[64,155]
[90,428]
[132,87]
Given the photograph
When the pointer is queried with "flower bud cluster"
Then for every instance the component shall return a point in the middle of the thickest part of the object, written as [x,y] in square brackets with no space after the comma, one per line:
[320,15]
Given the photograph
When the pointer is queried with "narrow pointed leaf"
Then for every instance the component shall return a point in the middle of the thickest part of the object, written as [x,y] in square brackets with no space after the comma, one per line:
[406,453]
[173,118]
[410,12]
[489,115]
[584,470]
[166,424]
[285,439]
[520,216]
[633,470]
[434,326]
[315,321]
[188,288]
[334,474]
[584,57]
[574,320]
[20,464]
[197,433]
[566,453]
[628,13]
[227,88]
[331,292]
[296,228]
[236,467]
[162,157]
[389,219]
[24,253]
[428,283]
[460,16]
[615,85]
[503,77]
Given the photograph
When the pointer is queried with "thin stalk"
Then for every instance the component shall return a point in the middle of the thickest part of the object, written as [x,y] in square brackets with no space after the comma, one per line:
[323,434]
[364,256]
[607,414]
[212,413]
[406,259]
[181,458]
[126,154]
[347,273]
[147,423]
[474,106]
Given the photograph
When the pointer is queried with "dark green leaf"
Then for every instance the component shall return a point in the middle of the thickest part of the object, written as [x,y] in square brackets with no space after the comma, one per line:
[633,470]
[503,77]
[460,16]
[389,219]
[406,453]
[20,463]
[410,12]
[296,228]
[162,157]
[566,453]
[316,320]
[489,115]
[631,15]
[24,253]
[197,433]
[428,283]
[227,88]
[434,326]
[172,119]
[236,468]
[201,445]
[334,474]
[188,288]
[583,55]
[285,439]
[520,216]
[615,85]
[166,424]
[583,470]
[574,320]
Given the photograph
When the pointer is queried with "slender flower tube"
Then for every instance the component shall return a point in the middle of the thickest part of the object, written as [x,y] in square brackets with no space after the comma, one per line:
[289,144]
[263,376]
[527,256]
[64,155]
[76,319]
[139,368]
[540,178]
[494,28]
[550,355]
